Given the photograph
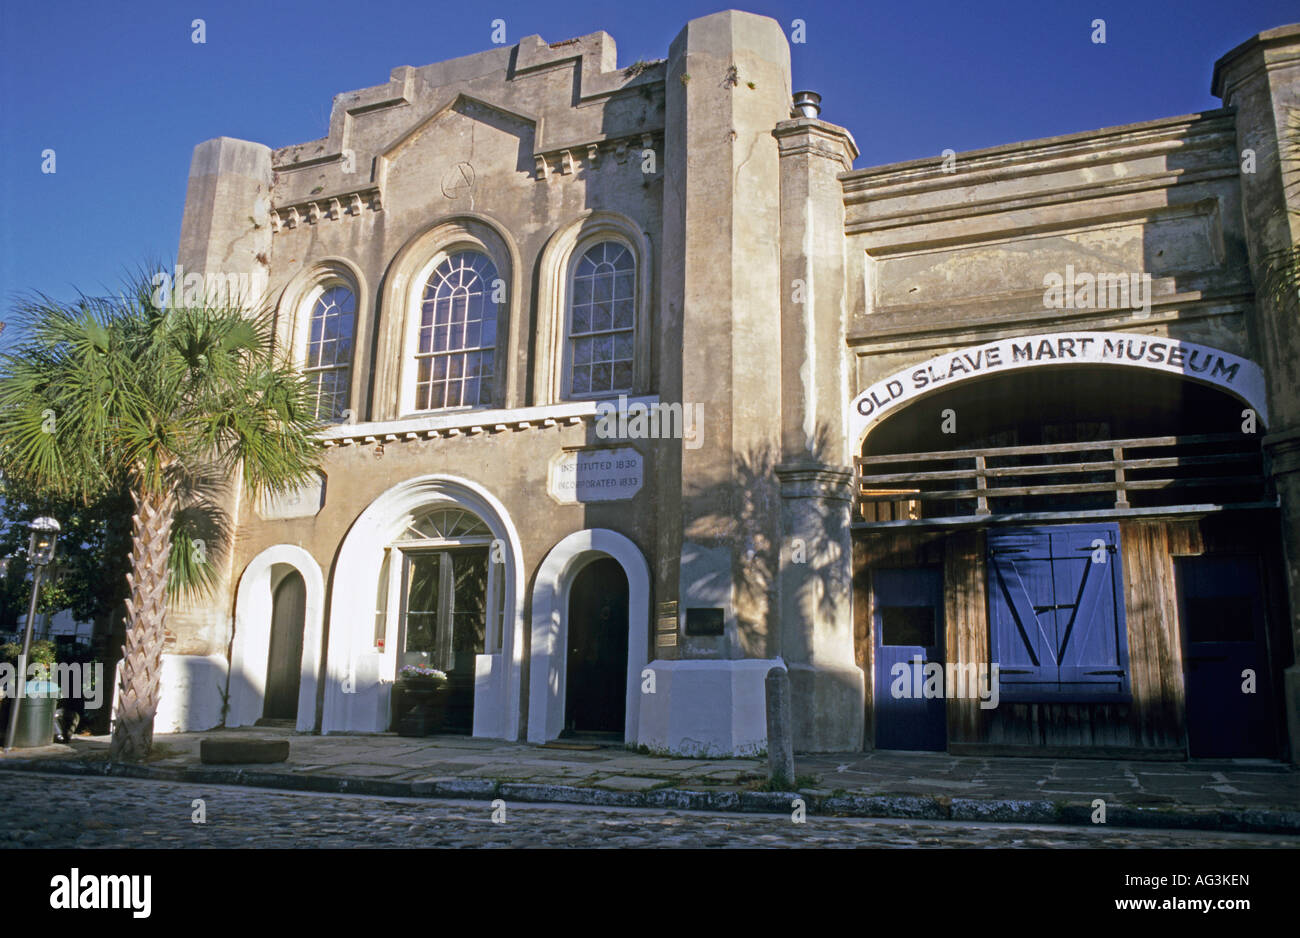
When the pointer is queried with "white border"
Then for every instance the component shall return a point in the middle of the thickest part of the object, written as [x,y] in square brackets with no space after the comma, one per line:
[359,677]
[881,399]
[546,688]
[246,684]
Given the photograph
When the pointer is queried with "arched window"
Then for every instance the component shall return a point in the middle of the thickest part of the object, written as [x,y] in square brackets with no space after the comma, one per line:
[601,346]
[327,363]
[456,344]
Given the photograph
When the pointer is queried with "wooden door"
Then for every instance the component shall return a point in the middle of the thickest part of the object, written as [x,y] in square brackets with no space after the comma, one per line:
[908,622]
[1229,704]
[596,663]
[284,658]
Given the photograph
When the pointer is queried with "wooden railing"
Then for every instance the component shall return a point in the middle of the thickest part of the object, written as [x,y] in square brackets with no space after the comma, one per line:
[1152,471]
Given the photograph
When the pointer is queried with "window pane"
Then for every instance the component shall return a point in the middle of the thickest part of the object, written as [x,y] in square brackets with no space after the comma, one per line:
[422,602]
[602,319]
[329,346]
[460,294]
[907,625]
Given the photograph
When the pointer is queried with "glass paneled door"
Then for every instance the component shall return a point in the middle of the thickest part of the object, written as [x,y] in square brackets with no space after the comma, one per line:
[444,622]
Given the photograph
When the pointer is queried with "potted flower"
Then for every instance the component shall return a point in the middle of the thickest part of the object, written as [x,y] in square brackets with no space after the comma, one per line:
[425,688]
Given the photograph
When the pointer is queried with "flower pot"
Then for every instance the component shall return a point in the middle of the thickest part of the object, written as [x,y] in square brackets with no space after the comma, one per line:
[427,702]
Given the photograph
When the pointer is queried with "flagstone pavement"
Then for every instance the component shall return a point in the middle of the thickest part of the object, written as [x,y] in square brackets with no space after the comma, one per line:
[1245,794]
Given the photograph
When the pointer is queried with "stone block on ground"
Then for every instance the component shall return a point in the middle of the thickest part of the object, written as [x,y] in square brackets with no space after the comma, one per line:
[242,751]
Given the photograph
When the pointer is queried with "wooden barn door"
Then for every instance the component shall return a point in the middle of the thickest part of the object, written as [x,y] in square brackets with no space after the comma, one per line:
[1056,614]
[1221,610]
[908,623]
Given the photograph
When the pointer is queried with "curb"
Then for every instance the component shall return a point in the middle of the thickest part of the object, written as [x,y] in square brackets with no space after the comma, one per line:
[908,807]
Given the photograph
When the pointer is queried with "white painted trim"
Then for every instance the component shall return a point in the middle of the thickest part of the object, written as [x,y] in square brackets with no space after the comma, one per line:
[293,314]
[468,419]
[352,661]
[400,296]
[550,627]
[887,395]
[252,639]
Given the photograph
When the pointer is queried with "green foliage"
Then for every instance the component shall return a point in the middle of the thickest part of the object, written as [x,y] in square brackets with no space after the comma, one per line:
[42,654]
[89,572]
[110,395]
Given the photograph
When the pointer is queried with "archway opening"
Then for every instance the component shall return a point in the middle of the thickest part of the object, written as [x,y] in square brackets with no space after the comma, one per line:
[1065,438]
[450,603]
[596,658]
[284,654]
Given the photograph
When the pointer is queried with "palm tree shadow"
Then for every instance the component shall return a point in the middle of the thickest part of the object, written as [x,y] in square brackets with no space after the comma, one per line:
[746,514]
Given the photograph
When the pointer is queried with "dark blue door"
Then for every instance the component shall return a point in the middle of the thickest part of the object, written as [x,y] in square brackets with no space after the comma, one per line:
[1056,614]
[907,618]
[1221,612]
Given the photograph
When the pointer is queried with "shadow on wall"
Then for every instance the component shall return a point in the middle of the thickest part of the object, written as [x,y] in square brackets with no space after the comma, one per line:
[744,515]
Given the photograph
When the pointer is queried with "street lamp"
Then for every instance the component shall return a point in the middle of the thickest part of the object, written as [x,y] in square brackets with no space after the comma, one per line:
[40,551]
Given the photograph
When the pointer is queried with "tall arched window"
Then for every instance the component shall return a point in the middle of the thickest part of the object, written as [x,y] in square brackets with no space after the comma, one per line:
[456,346]
[601,347]
[328,360]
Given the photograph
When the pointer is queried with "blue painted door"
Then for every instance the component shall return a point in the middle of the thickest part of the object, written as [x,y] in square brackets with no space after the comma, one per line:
[1221,612]
[1056,614]
[908,622]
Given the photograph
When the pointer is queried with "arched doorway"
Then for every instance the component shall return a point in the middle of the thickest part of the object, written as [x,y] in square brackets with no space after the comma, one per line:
[596,661]
[554,604]
[284,656]
[258,604]
[371,603]
[450,602]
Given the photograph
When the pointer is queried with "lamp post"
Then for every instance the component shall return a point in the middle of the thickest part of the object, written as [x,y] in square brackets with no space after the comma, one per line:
[40,551]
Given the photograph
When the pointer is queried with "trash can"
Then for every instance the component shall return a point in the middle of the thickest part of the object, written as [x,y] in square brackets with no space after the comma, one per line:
[36,715]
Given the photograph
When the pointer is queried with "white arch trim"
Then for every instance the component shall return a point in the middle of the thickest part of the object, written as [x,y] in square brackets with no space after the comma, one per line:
[1239,376]
[546,688]
[252,639]
[359,677]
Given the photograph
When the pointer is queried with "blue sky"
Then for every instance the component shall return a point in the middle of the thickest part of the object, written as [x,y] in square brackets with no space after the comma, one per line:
[122,95]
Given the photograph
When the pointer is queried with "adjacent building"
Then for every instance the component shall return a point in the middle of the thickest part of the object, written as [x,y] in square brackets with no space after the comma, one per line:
[638,389]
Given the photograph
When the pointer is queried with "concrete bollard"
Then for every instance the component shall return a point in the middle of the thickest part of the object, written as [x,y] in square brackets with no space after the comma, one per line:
[780,743]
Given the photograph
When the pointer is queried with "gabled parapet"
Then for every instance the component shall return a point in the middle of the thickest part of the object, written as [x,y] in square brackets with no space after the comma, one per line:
[545,87]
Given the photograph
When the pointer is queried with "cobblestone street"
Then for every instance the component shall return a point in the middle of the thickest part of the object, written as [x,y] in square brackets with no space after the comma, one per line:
[76,813]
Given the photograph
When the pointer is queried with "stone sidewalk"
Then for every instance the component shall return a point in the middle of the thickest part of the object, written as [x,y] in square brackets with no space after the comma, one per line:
[1248,796]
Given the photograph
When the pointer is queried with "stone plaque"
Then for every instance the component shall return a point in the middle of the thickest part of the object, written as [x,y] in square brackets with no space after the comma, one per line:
[302,502]
[596,475]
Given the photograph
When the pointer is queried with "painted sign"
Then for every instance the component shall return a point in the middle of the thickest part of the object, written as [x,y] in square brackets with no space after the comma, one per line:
[1234,374]
[596,475]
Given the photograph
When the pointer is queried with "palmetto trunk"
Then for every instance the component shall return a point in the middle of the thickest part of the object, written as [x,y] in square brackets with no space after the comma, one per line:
[146,614]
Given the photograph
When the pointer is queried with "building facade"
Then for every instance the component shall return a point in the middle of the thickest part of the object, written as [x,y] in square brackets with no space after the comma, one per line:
[636,389]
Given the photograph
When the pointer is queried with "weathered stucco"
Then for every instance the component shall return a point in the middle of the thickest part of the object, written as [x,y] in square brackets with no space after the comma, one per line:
[775,283]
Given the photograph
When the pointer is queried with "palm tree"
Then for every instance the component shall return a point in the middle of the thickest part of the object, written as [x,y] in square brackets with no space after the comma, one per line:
[121,392]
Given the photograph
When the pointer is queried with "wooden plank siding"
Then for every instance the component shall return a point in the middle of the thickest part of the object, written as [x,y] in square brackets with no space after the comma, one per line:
[1152,725]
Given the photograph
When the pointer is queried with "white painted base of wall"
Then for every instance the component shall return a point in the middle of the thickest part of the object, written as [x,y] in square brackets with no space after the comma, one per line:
[707,708]
[189,693]
[489,691]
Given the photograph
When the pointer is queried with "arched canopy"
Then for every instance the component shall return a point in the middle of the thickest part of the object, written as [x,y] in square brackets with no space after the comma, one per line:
[1238,376]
